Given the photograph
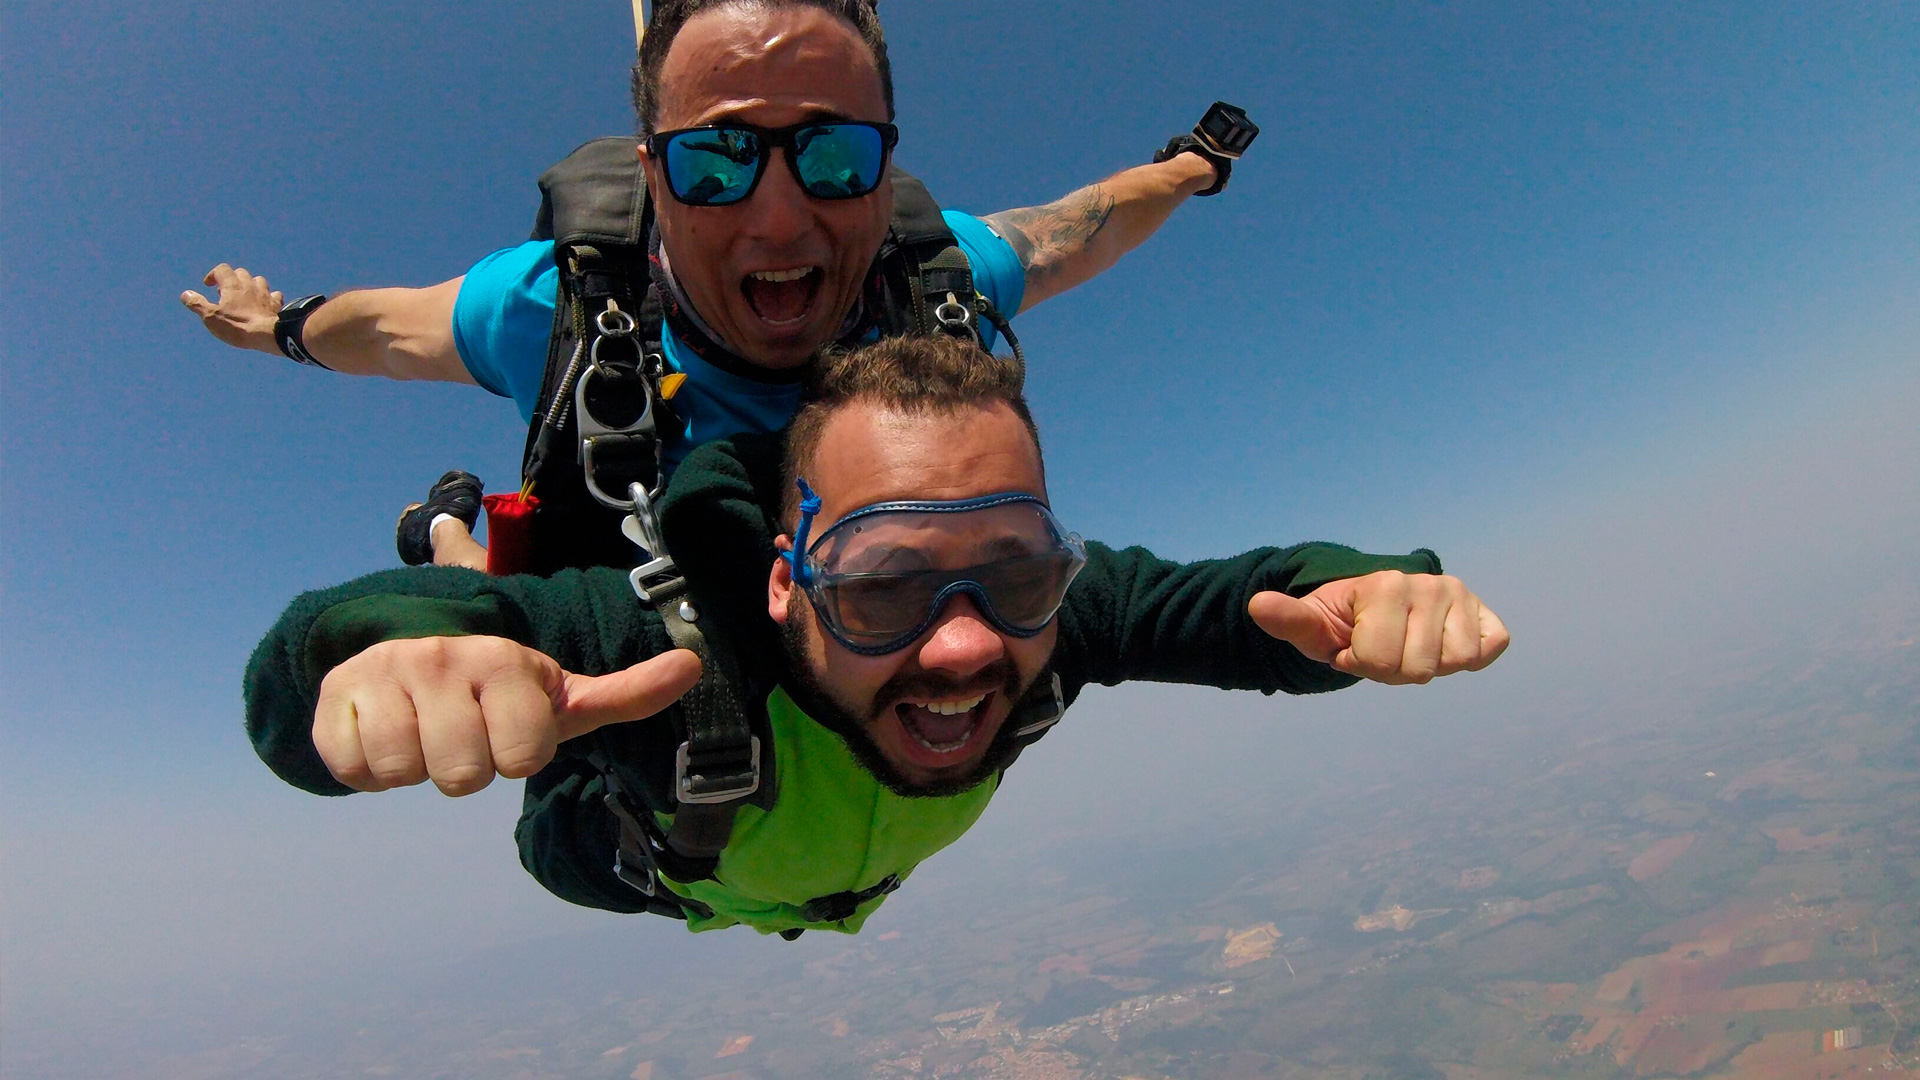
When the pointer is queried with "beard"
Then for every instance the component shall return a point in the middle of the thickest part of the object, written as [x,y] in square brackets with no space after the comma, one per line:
[820,704]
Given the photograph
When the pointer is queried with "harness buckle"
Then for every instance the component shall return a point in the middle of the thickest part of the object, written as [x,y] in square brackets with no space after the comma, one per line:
[715,787]
[643,878]
[842,905]
[633,860]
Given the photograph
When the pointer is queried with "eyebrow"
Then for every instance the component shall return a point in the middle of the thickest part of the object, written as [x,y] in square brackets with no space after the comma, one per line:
[812,115]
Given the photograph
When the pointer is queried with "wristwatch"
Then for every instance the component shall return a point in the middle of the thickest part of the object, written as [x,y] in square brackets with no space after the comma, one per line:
[287,330]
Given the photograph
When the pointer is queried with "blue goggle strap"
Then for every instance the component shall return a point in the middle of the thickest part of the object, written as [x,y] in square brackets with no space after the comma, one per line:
[797,556]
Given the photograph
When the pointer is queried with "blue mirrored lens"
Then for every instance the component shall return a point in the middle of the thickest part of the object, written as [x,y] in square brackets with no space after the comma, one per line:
[839,161]
[713,167]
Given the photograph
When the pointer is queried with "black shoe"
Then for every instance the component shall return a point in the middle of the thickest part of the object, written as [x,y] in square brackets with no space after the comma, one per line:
[457,493]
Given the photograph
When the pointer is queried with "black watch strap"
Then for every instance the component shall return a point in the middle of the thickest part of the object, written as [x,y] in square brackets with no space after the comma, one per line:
[1187,144]
[288,328]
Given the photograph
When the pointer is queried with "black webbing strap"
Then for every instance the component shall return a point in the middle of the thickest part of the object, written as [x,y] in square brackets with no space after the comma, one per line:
[720,764]
[640,851]
[923,268]
[1036,712]
[842,905]
[594,207]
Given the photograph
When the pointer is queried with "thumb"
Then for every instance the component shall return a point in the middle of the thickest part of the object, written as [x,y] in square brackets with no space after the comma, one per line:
[1308,624]
[198,304]
[590,702]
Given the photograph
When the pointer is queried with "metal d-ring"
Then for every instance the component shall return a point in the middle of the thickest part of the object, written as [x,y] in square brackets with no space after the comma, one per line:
[613,322]
[953,316]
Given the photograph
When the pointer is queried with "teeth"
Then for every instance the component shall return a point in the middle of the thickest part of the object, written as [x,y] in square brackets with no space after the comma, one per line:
[781,275]
[952,708]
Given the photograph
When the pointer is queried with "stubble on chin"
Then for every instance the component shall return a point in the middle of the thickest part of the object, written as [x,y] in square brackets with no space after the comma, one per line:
[854,729]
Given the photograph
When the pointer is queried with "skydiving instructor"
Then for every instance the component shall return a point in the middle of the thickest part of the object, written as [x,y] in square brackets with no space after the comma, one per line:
[764,264]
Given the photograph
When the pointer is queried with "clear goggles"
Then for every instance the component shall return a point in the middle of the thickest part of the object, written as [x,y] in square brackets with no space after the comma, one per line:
[881,575]
[721,164]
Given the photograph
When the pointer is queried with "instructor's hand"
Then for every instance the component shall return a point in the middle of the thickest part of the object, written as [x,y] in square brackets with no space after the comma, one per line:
[1388,627]
[461,710]
[245,313]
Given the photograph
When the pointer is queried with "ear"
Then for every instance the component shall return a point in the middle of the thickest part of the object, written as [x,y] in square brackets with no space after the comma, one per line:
[780,583]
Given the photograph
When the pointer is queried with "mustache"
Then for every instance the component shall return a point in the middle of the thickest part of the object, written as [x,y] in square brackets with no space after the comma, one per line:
[999,675]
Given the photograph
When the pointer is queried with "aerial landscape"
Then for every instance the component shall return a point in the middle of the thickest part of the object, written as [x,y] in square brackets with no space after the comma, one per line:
[1723,889]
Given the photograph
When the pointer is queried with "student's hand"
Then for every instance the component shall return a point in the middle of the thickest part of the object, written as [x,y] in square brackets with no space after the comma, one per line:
[245,313]
[1388,627]
[461,710]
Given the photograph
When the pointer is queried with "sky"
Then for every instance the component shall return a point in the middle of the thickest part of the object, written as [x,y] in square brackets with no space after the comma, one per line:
[1614,305]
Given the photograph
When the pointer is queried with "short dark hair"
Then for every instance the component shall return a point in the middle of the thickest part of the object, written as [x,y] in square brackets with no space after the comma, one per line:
[670,15]
[914,375]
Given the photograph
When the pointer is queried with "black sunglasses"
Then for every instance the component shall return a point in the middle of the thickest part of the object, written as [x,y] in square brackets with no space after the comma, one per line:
[721,164]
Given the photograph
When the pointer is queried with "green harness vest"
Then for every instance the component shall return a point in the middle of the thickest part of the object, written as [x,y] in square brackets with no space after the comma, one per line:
[834,828]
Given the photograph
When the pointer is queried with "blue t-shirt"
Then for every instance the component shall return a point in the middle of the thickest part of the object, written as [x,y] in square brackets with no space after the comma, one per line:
[504,313]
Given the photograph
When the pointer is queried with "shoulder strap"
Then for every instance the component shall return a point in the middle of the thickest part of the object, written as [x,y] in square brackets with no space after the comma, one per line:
[597,195]
[596,433]
[923,283]
[594,207]
[1036,713]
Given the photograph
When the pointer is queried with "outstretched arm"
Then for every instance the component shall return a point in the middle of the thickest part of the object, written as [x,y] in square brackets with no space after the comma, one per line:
[1067,242]
[1302,619]
[398,333]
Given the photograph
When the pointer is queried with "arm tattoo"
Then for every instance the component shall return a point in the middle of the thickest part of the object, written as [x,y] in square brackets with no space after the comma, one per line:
[1047,237]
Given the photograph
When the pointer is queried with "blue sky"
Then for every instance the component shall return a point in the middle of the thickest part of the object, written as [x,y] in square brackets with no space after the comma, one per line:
[1489,267]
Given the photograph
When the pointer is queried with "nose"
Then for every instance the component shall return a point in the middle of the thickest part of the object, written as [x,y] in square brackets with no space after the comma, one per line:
[962,642]
[779,209]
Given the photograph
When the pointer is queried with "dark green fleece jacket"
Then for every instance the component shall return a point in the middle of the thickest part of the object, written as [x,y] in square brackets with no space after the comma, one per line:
[1128,616]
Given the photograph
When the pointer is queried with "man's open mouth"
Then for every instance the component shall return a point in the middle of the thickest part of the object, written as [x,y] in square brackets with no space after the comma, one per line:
[944,727]
[783,297]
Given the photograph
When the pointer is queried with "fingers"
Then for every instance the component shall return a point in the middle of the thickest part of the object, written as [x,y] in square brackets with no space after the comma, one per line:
[1460,645]
[1415,628]
[459,711]
[198,304]
[336,736]
[1494,638]
[1381,608]
[522,732]
[453,740]
[456,711]
[389,735]
[587,703]
[1420,659]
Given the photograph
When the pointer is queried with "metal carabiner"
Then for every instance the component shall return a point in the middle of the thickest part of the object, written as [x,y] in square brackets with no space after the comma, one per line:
[645,532]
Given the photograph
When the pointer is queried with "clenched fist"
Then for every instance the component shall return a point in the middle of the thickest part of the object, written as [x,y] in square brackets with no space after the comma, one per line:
[1388,626]
[461,710]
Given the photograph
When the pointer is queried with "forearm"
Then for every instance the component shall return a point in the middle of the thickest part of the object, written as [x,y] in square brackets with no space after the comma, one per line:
[1074,239]
[397,333]
[1134,616]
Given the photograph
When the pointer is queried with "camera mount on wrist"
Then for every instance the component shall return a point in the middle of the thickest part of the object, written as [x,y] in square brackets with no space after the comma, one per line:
[1221,136]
